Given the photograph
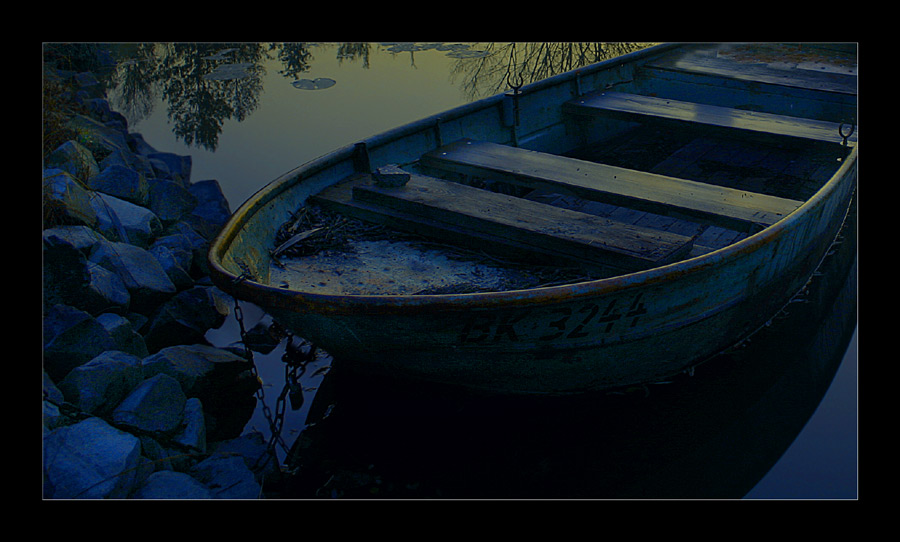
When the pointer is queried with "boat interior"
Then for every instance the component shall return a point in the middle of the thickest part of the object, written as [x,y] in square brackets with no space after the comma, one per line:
[663,172]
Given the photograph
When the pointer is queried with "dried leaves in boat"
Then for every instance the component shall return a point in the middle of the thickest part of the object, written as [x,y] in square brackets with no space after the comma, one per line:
[314,229]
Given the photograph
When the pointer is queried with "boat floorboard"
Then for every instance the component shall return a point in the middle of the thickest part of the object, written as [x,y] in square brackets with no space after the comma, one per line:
[457,212]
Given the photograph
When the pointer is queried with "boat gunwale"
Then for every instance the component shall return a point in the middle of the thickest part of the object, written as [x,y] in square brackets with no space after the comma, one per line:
[243,287]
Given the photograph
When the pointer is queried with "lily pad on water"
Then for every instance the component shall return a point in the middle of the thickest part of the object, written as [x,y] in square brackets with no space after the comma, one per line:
[225,72]
[314,84]
[220,55]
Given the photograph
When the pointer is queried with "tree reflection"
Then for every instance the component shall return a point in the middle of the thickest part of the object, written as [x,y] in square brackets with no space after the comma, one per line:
[206,84]
[200,95]
[489,74]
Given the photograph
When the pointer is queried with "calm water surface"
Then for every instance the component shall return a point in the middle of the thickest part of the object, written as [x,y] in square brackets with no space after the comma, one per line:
[247,113]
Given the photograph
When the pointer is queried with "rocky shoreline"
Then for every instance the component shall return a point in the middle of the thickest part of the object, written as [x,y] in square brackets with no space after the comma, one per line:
[136,404]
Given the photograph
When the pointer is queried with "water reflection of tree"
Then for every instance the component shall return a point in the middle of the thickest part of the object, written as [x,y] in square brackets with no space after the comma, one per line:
[295,58]
[200,99]
[487,75]
[184,74]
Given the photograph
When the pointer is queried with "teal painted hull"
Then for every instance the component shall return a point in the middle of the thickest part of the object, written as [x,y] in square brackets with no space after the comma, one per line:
[623,330]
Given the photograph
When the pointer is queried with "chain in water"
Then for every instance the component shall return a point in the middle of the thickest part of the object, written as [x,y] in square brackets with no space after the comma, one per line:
[295,360]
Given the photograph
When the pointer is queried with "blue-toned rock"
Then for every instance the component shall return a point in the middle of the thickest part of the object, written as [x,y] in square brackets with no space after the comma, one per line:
[155,406]
[193,432]
[126,222]
[123,334]
[122,182]
[178,166]
[227,477]
[65,273]
[90,460]
[211,211]
[105,291]
[139,145]
[75,159]
[52,397]
[220,379]
[186,317]
[199,368]
[199,247]
[171,264]
[72,337]
[65,201]
[98,138]
[169,484]
[102,383]
[170,200]
[179,245]
[141,273]
[253,449]
[81,238]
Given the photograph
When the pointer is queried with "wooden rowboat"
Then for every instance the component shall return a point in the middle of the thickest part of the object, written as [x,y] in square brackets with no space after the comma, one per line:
[688,192]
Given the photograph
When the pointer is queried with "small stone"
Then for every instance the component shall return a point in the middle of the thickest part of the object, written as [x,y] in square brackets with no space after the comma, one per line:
[390,176]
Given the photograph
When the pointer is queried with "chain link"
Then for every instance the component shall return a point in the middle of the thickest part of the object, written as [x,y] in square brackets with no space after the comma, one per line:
[295,365]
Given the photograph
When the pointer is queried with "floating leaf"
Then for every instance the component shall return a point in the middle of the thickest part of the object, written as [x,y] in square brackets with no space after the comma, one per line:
[220,55]
[467,54]
[314,84]
[225,72]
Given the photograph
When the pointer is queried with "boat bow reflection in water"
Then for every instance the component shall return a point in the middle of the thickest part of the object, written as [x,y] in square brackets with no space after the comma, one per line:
[711,435]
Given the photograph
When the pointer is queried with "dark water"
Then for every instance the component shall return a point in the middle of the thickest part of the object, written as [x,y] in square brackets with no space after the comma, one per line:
[773,418]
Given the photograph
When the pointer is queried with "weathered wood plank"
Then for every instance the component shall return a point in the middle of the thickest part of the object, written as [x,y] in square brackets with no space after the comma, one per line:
[635,107]
[734,209]
[837,83]
[462,211]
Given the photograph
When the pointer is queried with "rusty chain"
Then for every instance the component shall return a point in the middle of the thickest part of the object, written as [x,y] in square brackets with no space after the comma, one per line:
[295,360]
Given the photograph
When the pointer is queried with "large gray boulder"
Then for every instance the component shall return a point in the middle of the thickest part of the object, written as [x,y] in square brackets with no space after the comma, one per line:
[227,477]
[70,279]
[123,334]
[170,200]
[172,166]
[122,182]
[155,406]
[73,158]
[90,460]
[172,485]
[65,201]
[101,384]
[220,379]
[186,317]
[72,338]
[142,274]
[125,221]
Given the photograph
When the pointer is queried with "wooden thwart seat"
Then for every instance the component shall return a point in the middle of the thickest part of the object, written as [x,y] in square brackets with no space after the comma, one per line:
[818,81]
[735,209]
[484,219]
[634,106]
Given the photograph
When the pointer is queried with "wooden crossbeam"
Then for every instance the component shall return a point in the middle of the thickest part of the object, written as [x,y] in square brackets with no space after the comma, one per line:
[829,82]
[635,107]
[735,209]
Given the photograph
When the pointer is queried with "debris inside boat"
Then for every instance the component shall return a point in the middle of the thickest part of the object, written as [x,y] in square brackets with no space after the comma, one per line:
[325,252]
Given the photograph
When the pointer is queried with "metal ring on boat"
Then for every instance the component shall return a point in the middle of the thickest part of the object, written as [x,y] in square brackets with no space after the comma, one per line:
[848,134]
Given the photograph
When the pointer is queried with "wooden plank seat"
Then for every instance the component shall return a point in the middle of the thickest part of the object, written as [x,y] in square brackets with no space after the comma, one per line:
[757,73]
[636,107]
[485,220]
[735,209]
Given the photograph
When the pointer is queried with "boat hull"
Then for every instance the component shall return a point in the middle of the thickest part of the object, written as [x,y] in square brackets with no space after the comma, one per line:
[625,330]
